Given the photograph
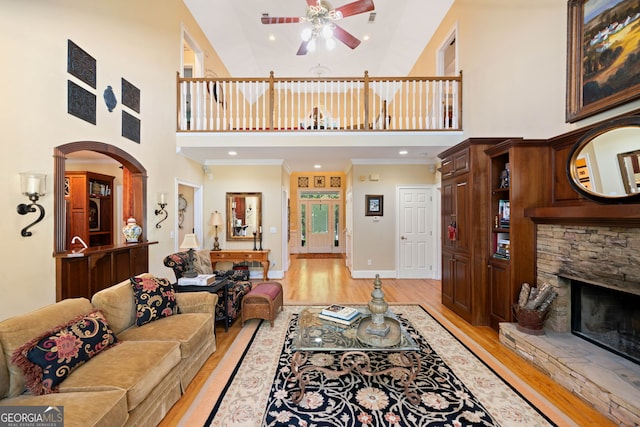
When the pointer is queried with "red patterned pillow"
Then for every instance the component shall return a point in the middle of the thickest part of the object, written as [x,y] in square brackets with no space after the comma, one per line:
[47,360]
[155,298]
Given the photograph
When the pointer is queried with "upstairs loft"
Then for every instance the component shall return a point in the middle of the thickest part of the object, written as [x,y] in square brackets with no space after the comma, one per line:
[303,112]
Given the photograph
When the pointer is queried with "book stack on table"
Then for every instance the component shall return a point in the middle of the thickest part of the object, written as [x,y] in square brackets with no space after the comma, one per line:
[199,280]
[340,314]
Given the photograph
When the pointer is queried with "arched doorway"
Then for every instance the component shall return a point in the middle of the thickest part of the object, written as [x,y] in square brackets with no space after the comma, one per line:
[134,178]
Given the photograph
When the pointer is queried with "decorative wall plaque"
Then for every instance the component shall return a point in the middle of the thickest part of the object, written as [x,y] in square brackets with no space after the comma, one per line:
[81,103]
[335,182]
[110,98]
[130,127]
[318,181]
[80,64]
[130,96]
[303,182]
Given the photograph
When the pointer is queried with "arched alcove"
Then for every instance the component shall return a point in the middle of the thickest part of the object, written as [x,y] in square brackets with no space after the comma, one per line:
[134,181]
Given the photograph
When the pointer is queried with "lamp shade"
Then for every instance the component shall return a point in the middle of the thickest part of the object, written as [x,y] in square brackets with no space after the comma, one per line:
[190,241]
[216,219]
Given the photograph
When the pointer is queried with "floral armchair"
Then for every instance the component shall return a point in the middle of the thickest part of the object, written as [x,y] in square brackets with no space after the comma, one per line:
[239,283]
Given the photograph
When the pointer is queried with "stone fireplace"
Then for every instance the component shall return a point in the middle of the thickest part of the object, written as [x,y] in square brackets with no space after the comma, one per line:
[604,258]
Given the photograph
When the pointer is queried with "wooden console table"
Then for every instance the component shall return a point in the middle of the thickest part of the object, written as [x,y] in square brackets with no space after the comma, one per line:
[238,256]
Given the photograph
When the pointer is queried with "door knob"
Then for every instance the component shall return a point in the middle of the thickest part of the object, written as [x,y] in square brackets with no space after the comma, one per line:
[403,238]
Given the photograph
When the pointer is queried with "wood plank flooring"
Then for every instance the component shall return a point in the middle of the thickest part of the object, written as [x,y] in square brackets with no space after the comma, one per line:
[323,281]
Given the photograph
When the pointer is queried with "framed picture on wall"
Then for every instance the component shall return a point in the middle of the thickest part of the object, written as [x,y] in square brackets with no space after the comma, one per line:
[602,60]
[373,205]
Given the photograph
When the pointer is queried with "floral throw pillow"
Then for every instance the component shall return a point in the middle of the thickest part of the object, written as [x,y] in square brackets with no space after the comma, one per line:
[155,298]
[47,360]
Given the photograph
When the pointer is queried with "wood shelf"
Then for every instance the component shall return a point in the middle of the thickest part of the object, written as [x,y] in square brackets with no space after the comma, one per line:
[598,215]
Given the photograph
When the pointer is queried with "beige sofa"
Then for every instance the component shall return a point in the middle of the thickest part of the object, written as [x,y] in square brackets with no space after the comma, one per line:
[135,382]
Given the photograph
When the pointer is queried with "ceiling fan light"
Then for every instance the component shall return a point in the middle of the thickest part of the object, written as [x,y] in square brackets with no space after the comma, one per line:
[306,34]
[327,32]
[311,46]
[331,44]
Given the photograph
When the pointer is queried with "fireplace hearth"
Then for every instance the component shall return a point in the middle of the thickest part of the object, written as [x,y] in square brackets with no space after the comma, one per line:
[606,317]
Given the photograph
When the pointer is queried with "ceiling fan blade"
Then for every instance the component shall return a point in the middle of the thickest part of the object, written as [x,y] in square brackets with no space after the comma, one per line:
[302,50]
[280,20]
[345,37]
[359,6]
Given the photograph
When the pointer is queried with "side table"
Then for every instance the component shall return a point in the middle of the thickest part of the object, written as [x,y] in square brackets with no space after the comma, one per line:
[213,288]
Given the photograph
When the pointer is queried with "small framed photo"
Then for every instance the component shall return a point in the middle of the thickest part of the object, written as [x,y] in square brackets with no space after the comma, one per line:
[373,205]
[94,214]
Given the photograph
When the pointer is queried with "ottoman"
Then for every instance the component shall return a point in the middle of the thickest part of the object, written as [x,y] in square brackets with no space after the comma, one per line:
[262,302]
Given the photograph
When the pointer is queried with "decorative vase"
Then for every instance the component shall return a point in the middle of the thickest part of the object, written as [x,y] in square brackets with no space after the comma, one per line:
[131,231]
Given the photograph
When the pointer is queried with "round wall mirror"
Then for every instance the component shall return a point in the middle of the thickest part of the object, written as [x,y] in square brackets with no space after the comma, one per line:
[604,165]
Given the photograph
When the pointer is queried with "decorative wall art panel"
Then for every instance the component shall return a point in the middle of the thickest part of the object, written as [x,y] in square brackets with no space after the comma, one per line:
[130,127]
[335,182]
[130,96]
[303,182]
[318,181]
[81,103]
[80,64]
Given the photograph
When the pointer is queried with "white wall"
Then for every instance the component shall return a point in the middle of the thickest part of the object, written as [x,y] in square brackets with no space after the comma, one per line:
[139,41]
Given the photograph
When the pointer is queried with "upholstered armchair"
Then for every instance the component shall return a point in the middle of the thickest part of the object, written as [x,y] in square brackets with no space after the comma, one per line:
[239,284]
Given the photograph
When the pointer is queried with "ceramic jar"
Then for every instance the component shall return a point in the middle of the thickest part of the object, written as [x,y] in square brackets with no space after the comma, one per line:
[131,231]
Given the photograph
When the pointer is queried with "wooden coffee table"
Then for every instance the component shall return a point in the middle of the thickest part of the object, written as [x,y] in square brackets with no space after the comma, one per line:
[314,335]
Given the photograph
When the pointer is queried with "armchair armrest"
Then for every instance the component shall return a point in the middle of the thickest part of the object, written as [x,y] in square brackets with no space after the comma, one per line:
[197,302]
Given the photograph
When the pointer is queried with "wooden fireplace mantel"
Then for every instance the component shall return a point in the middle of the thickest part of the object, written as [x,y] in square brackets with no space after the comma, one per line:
[598,215]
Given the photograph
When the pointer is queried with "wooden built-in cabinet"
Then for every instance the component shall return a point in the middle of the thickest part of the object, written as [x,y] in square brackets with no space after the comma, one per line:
[465,205]
[518,176]
[83,273]
[89,208]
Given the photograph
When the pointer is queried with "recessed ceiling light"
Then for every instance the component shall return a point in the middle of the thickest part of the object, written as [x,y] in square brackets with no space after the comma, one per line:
[317,166]
[272,37]
[232,153]
[403,152]
[365,37]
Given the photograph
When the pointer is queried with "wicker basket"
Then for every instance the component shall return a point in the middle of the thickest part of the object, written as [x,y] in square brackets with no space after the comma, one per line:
[530,321]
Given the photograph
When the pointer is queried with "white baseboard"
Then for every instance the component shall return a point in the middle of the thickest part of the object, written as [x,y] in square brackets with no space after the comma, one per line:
[371,274]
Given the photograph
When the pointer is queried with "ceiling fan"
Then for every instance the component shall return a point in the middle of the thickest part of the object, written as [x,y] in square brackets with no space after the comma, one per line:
[322,18]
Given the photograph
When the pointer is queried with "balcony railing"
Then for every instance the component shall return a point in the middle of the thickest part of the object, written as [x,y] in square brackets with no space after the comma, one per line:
[319,104]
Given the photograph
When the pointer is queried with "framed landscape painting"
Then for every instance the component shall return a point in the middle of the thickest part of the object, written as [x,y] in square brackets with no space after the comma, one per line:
[603,64]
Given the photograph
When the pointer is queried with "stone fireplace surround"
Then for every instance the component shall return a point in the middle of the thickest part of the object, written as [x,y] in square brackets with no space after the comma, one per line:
[608,255]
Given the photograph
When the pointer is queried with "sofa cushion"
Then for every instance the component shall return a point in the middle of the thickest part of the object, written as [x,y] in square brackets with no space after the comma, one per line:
[155,298]
[47,360]
[192,330]
[17,330]
[135,366]
[117,304]
[107,408]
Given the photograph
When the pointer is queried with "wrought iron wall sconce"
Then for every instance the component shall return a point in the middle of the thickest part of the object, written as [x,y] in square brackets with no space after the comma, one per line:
[162,201]
[34,186]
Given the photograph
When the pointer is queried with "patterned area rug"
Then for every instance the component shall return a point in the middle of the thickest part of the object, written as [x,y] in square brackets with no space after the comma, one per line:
[455,387]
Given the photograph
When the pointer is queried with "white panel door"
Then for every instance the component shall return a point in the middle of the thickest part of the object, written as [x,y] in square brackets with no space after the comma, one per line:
[416,247]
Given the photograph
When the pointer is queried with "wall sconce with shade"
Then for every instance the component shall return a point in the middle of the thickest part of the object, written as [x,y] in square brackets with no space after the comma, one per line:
[162,201]
[33,185]
[190,242]
[216,221]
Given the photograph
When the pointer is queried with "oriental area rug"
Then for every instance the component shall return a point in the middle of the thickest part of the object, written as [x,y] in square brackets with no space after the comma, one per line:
[252,385]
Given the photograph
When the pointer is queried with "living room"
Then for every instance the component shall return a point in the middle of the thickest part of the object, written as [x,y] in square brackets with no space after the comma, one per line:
[513,54]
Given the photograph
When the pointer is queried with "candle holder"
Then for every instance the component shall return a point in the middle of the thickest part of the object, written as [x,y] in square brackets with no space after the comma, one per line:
[260,240]
[255,248]
[161,211]
[33,185]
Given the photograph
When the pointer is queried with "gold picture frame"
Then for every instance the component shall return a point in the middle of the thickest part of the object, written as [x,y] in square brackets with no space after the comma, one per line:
[601,59]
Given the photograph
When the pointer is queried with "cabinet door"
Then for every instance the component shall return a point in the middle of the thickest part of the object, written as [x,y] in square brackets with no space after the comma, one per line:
[448,277]
[499,293]
[462,287]
[448,214]
[462,214]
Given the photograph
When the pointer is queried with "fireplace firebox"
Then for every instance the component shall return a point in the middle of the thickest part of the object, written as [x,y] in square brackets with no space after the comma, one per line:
[606,317]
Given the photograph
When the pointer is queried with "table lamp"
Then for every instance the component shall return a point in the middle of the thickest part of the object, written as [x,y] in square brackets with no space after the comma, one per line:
[216,221]
[190,242]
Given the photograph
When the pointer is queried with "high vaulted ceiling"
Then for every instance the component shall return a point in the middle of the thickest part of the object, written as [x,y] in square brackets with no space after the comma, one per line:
[392,41]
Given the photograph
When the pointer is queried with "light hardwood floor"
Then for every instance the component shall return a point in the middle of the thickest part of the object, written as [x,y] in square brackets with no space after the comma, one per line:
[322,281]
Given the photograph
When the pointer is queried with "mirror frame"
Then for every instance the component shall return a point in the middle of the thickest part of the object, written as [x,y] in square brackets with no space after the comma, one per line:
[230,197]
[587,138]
